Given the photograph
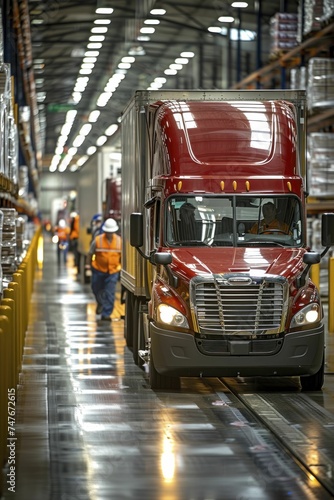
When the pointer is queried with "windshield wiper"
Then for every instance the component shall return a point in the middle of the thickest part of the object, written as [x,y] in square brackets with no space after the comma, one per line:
[262,242]
[190,243]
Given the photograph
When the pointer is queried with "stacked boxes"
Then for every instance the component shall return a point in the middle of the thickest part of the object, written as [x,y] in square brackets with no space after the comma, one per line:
[8,254]
[316,13]
[321,164]
[283,31]
[298,78]
[320,83]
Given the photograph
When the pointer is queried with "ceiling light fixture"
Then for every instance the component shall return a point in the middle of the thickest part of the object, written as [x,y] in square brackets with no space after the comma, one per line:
[97,38]
[122,65]
[104,10]
[128,59]
[102,21]
[94,46]
[176,66]
[101,29]
[214,29]
[85,129]
[158,12]
[170,72]
[94,115]
[78,141]
[91,150]
[147,31]
[92,53]
[226,19]
[101,140]
[82,160]
[181,60]
[111,129]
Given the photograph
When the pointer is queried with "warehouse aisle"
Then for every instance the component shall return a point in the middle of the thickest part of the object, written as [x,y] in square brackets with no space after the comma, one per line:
[88,426]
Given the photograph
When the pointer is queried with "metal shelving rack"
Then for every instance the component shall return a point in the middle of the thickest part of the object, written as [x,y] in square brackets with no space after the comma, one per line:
[317,44]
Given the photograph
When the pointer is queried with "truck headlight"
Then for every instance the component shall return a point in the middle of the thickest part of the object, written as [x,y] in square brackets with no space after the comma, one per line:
[306,316]
[170,316]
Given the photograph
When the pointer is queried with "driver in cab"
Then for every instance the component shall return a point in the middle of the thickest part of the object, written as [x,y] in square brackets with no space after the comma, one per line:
[269,224]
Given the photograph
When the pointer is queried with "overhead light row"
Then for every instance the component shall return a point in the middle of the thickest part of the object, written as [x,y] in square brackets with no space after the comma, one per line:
[90,57]
[172,70]
[109,89]
[95,43]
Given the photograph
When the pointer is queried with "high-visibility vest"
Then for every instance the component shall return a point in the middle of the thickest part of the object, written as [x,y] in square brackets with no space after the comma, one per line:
[107,254]
[75,228]
[62,233]
[274,224]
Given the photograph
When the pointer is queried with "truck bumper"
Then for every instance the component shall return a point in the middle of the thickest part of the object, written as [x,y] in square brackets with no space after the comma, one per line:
[176,354]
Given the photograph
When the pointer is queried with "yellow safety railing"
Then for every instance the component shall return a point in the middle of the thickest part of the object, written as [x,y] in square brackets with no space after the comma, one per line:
[315,275]
[14,317]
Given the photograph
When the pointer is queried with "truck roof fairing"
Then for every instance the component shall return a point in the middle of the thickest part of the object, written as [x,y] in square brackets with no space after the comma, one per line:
[242,137]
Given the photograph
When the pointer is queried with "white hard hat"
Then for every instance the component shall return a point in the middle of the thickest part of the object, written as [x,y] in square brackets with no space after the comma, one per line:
[62,223]
[110,226]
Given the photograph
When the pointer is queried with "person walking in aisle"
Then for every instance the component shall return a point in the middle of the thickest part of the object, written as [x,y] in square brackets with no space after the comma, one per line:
[62,233]
[74,238]
[105,259]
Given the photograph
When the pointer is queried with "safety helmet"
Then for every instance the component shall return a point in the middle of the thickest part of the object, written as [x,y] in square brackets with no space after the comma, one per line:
[62,223]
[110,226]
[97,217]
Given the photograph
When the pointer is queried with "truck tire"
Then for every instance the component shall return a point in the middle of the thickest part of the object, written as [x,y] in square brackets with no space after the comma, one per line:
[158,381]
[316,381]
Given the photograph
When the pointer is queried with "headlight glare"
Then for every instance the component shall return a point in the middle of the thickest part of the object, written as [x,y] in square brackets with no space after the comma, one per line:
[170,316]
[306,316]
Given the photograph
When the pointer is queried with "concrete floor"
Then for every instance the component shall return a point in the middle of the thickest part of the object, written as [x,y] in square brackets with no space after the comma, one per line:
[90,428]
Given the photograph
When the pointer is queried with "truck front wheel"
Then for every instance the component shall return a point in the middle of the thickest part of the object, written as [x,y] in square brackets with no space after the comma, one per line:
[158,381]
[316,381]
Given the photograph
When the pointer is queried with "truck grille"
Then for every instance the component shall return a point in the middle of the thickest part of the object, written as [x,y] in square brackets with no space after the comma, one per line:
[239,305]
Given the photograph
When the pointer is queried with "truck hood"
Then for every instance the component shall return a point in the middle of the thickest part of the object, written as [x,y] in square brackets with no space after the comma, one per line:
[190,262]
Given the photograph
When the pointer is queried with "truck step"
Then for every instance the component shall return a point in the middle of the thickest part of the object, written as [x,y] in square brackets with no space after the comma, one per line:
[144,355]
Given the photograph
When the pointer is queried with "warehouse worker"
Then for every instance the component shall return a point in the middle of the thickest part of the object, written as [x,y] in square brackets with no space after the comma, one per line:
[62,232]
[96,225]
[105,259]
[269,223]
[74,238]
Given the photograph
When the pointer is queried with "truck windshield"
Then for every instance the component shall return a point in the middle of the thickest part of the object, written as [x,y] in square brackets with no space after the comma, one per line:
[234,221]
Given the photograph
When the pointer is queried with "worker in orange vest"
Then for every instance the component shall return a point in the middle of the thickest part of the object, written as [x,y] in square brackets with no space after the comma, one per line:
[74,238]
[105,259]
[62,232]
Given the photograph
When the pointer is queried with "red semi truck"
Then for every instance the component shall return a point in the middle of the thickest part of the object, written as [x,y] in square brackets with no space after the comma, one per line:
[214,285]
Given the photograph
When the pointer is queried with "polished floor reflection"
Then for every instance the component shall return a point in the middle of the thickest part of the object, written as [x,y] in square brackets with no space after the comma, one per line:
[90,428]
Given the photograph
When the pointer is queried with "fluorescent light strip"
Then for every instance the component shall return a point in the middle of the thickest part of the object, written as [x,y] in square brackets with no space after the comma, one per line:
[90,57]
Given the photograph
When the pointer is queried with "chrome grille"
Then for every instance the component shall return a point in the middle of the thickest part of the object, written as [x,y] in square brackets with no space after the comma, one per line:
[232,306]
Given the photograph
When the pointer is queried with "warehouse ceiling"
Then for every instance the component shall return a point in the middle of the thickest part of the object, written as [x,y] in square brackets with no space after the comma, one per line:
[61,33]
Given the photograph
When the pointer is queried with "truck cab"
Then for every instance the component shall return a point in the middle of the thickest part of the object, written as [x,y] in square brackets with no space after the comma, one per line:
[222,228]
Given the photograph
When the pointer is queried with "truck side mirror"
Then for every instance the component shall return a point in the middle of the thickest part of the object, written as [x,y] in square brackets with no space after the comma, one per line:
[136,230]
[163,258]
[311,258]
[327,230]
